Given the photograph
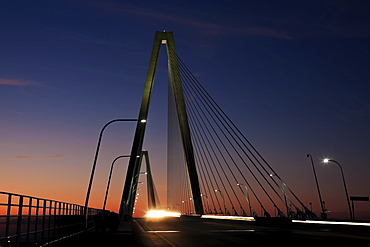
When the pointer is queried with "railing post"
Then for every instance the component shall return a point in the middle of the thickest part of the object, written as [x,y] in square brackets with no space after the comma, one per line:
[43,221]
[19,220]
[8,212]
[29,219]
[50,215]
[58,216]
[37,218]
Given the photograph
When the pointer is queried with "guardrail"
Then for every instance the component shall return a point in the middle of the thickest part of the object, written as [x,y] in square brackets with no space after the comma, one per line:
[31,221]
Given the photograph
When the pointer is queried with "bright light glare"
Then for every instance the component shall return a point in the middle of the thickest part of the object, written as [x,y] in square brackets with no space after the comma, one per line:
[326,160]
[332,222]
[208,216]
[159,214]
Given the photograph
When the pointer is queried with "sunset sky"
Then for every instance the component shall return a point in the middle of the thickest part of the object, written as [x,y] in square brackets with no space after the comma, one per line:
[294,76]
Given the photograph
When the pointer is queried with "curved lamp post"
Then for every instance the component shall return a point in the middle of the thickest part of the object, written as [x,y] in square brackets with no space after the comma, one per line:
[283,184]
[185,210]
[344,184]
[323,214]
[246,196]
[110,176]
[95,160]
[209,206]
[223,199]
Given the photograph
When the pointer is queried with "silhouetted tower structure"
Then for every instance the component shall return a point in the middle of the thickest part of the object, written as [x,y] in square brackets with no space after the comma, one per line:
[133,169]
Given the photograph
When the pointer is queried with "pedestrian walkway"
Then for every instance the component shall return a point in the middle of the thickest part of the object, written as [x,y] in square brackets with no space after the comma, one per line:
[122,237]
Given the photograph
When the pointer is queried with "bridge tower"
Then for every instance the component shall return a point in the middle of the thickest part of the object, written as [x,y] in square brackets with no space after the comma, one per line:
[133,170]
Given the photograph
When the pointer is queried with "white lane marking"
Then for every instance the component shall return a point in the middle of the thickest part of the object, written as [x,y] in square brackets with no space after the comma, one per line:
[237,230]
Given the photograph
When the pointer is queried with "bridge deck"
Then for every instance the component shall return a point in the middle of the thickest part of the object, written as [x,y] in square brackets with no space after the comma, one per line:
[122,237]
[190,231]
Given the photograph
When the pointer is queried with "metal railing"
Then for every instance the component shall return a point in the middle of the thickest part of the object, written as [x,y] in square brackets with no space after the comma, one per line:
[31,221]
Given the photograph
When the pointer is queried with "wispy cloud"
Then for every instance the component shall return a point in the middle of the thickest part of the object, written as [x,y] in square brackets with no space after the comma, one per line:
[25,157]
[343,18]
[16,82]
[89,39]
[219,29]
[205,27]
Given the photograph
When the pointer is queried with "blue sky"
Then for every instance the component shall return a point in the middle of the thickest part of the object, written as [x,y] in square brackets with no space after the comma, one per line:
[293,75]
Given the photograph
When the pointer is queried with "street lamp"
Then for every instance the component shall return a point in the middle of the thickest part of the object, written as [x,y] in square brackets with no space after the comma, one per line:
[185,210]
[135,189]
[191,203]
[136,194]
[95,160]
[246,196]
[110,176]
[141,173]
[344,184]
[223,199]
[283,184]
[323,214]
[209,206]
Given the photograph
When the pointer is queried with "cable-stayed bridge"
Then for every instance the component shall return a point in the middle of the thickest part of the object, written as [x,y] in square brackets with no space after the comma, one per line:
[212,169]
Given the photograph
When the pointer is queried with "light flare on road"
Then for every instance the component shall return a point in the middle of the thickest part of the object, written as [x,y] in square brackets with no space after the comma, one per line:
[160,214]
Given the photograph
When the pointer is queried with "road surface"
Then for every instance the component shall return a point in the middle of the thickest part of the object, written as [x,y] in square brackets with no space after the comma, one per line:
[191,231]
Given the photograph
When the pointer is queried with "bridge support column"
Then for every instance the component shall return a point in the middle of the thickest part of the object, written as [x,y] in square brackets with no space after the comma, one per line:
[184,125]
[133,169]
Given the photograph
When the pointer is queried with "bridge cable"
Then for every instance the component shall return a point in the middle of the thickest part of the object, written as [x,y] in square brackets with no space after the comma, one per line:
[232,126]
[218,161]
[217,111]
[181,65]
[224,146]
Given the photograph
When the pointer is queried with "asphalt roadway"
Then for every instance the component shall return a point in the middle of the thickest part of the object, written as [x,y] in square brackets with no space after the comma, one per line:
[192,231]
